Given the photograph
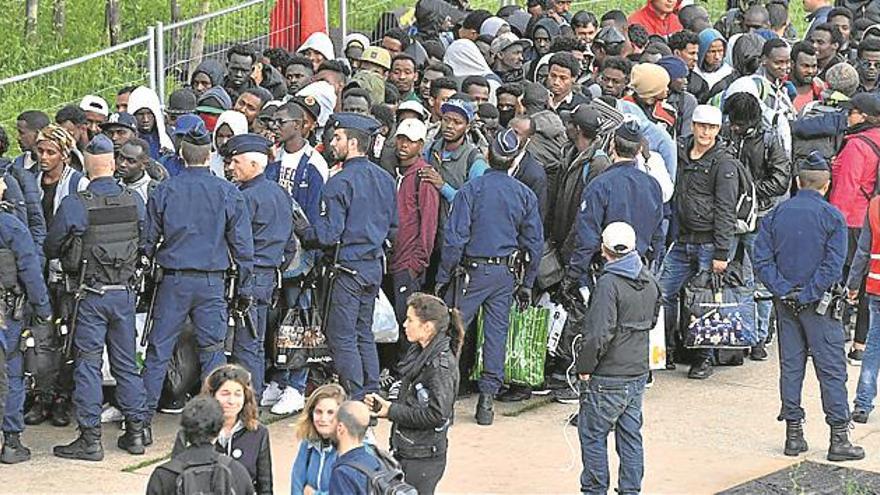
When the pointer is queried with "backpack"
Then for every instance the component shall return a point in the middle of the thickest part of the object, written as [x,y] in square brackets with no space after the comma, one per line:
[876,149]
[388,479]
[214,478]
[746,199]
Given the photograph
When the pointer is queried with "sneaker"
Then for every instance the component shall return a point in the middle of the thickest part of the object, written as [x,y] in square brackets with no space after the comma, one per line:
[566,396]
[290,402]
[271,395]
[515,393]
[758,353]
[111,414]
[550,385]
[701,371]
[855,356]
[860,416]
[650,382]
[174,406]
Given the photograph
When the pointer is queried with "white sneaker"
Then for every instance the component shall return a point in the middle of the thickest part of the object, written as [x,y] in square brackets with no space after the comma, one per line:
[271,395]
[290,402]
[111,415]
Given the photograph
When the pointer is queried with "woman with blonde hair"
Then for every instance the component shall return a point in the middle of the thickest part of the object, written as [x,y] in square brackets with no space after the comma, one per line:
[317,454]
[242,437]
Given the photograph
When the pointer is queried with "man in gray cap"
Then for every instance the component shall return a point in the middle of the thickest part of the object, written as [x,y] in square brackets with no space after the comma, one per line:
[97,234]
[507,49]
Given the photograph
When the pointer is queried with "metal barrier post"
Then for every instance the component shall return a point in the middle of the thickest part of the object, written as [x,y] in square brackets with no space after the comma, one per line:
[343,19]
[160,60]
[151,49]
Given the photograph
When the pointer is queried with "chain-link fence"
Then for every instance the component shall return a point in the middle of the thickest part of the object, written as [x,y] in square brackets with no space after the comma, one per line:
[51,88]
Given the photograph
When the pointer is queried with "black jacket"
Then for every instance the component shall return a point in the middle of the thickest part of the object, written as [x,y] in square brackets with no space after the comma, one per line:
[570,189]
[423,412]
[164,482]
[251,449]
[770,165]
[705,197]
[621,314]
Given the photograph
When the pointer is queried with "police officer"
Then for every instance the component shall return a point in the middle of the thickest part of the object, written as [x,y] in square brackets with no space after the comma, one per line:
[270,211]
[359,213]
[97,234]
[799,255]
[195,223]
[493,216]
[19,268]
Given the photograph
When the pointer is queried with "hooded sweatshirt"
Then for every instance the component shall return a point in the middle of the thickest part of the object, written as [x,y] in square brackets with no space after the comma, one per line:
[158,139]
[215,71]
[465,59]
[707,36]
[325,94]
[238,123]
[321,43]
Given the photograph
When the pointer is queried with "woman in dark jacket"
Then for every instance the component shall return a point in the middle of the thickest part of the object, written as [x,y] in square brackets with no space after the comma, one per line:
[422,413]
[242,437]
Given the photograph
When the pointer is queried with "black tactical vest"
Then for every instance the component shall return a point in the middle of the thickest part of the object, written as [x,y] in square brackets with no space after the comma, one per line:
[110,244]
[8,270]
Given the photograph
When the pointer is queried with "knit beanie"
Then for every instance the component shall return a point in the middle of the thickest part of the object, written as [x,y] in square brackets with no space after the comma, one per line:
[649,80]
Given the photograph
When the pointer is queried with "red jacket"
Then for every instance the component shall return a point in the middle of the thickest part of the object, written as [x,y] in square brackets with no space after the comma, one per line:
[648,17]
[417,222]
[854,175]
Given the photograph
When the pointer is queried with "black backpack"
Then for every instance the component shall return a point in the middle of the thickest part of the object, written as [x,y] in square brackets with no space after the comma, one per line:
[214,478]
[388,479]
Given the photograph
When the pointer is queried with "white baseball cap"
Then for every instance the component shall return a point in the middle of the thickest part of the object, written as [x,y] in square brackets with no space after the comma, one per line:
[707,114]
[413,106]
[412,129]
[93,103]
[619,237]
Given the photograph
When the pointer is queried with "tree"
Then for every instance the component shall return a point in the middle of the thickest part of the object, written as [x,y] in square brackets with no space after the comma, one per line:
[30,18]
[113,22]
[59,8]
[197,46]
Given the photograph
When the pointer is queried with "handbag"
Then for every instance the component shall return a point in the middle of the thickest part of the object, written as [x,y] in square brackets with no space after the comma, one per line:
[719,312]
[526,348]
[550,270]
[300,339]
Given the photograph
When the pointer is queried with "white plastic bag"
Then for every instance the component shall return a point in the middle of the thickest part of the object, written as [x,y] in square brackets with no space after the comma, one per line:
[385,329]
[657,344]
[558,315]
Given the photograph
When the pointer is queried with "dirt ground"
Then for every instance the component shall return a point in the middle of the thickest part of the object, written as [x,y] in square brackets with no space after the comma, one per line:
[700,437]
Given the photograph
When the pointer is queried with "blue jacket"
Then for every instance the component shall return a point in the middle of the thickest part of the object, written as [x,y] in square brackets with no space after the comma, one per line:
[801,244]
[347,480]
[271,217]
[32,194]
[492,215]
[72,219]
[658,139]
[14,196]
[821,125]
[622,193]
[359,210]
[200,220]
[14,236]
[312,467]
[304,187]
[532,174]
[173,163]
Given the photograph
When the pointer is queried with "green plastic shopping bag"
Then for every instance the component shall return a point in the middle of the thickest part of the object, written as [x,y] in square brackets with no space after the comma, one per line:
[526,346]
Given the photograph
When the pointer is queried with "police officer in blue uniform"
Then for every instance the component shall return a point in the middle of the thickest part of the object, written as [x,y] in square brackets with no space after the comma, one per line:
[97,234]
[29,198]
[359,213]
[270,211]
[196,222]
[20,275]
[799,255]
[493,217]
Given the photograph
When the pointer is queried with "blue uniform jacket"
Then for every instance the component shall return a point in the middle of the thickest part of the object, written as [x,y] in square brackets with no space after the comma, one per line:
[173,163]
[201,220]
[532,174]
[359,209]
[823,125]
[801,244]
[347,479]
[15,197]
[14,236]
[27,181]
[271,216]
[492,215]
[622,193]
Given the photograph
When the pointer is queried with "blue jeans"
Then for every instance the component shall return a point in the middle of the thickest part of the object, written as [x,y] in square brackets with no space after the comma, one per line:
[867,388]
[611,402]
[765,305]
[293,296]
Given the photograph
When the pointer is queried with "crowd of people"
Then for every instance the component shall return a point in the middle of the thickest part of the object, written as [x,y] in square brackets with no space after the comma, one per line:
[460,167]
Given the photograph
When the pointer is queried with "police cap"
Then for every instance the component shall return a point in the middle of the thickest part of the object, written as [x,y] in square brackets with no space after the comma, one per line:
[246,143]
[197,135]
[349,120]
[814,161]
[100,145]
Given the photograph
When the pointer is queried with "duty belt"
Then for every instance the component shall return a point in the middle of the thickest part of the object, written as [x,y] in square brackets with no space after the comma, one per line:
[189,272]
[496,260]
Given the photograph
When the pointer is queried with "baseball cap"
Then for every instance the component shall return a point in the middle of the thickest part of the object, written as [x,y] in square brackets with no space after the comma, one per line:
[181,101]
[629,130]
[412,129]
[309,104]
[413,106]
[120,119]
[619,237]
[586,117]
[465,108]
[93,103]
[707,114]
[377,55]
[504,41]
[505,144]
[866,103]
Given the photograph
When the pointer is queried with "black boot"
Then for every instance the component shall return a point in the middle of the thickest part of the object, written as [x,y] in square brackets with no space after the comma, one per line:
[670,359]
[701,370]
[485,411]
[13,451]
[39,411]
[841,449]
[148,434]
[86,447]
[133,438]
[794,437]
[61,411]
